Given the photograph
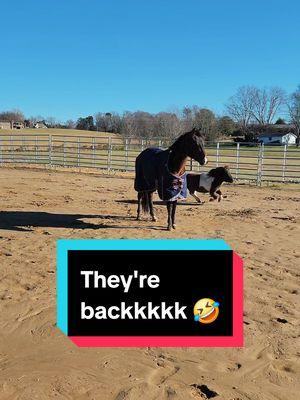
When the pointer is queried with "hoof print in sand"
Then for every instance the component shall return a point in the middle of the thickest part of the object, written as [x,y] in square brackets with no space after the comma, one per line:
[282,320]
[204,391]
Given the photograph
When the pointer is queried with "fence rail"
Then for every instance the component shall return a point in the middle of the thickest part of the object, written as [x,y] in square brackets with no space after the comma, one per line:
[252,162]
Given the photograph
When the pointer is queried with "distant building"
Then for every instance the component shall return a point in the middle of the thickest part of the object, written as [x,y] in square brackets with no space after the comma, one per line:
[11,125]
[279,138]
[40,125]
[18,125]
[5,125]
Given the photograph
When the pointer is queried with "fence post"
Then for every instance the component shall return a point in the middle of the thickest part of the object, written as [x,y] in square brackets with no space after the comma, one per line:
[64,151]
[218,154]
[262,163]
[36,149]
[50,150]
[142,144]
[93,149]
[126,154]
[259,164]
[1,158]
[284,163]
[78,152]
[237,165]
[12,149]
[109,154]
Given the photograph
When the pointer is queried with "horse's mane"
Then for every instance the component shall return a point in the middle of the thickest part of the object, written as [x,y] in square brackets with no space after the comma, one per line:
[183,136]
[212,172]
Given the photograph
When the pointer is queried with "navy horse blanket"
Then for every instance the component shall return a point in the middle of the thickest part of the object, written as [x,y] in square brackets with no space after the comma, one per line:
[152,173]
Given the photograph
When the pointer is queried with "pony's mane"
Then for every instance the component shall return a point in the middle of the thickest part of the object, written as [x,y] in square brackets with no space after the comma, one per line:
[213,171]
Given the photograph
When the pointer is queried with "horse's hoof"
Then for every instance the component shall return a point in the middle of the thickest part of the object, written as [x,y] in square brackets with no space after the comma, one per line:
[174,226]
[154,219]
[138,218]
[169,228]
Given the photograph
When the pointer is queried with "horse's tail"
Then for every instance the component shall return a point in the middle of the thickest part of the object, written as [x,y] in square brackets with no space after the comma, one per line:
[145,201]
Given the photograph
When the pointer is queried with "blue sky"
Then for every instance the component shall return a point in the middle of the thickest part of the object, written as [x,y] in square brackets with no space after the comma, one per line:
[74,58]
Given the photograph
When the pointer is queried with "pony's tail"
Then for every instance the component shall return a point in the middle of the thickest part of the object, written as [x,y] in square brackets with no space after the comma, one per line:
[145,201]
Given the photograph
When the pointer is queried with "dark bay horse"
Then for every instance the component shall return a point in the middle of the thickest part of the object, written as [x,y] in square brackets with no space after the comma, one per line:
[164,171]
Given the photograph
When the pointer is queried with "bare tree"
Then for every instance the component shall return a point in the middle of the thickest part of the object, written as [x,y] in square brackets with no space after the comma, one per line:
[293,106]
[266,103]
[241,106]
[12,116]
[138,124]
[107,122]
[205,120]
[70,124]
[167,125]
[128,125]
[103,121]
[52,122]
[251,107]
[34,119]
[188,117]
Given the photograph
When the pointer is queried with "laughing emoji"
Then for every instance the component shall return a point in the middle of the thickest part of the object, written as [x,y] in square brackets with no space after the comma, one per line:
[206,311]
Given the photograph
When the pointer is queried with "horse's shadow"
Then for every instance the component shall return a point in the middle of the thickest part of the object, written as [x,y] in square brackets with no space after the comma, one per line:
[25,221]
[161,203]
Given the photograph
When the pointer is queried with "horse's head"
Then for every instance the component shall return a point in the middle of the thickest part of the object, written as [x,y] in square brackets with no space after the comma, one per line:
[193,144]
[222,173]
[227,174]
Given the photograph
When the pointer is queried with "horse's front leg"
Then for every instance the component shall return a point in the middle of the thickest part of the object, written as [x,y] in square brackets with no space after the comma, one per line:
[173,214]
[219,193]
[169,208]
[138,217]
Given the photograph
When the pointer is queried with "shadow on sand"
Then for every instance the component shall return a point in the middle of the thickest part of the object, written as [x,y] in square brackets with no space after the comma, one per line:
[25,221]
[162,203]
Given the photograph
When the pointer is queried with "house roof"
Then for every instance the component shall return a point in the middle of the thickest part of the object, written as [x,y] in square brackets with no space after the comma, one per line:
[282,126]
[276,134]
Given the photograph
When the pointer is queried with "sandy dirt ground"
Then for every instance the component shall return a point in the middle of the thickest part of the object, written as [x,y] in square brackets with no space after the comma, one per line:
[38,362]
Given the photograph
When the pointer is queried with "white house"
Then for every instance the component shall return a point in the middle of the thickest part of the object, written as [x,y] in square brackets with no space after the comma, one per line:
[277,138]
[40,125]
[11,125]
[5,125]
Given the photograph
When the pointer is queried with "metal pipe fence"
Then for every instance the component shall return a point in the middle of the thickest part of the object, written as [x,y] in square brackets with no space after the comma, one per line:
[248,161]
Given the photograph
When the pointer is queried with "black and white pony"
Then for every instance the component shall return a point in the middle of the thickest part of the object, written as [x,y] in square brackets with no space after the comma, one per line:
[209,182]
[164,171]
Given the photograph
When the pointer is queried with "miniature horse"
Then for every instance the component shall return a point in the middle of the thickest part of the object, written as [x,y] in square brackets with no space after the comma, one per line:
[208,182]
[164,171]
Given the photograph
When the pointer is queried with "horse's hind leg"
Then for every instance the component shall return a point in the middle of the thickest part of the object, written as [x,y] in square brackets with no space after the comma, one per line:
[138,217]
[173,214]
[150,198]
[169,208]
